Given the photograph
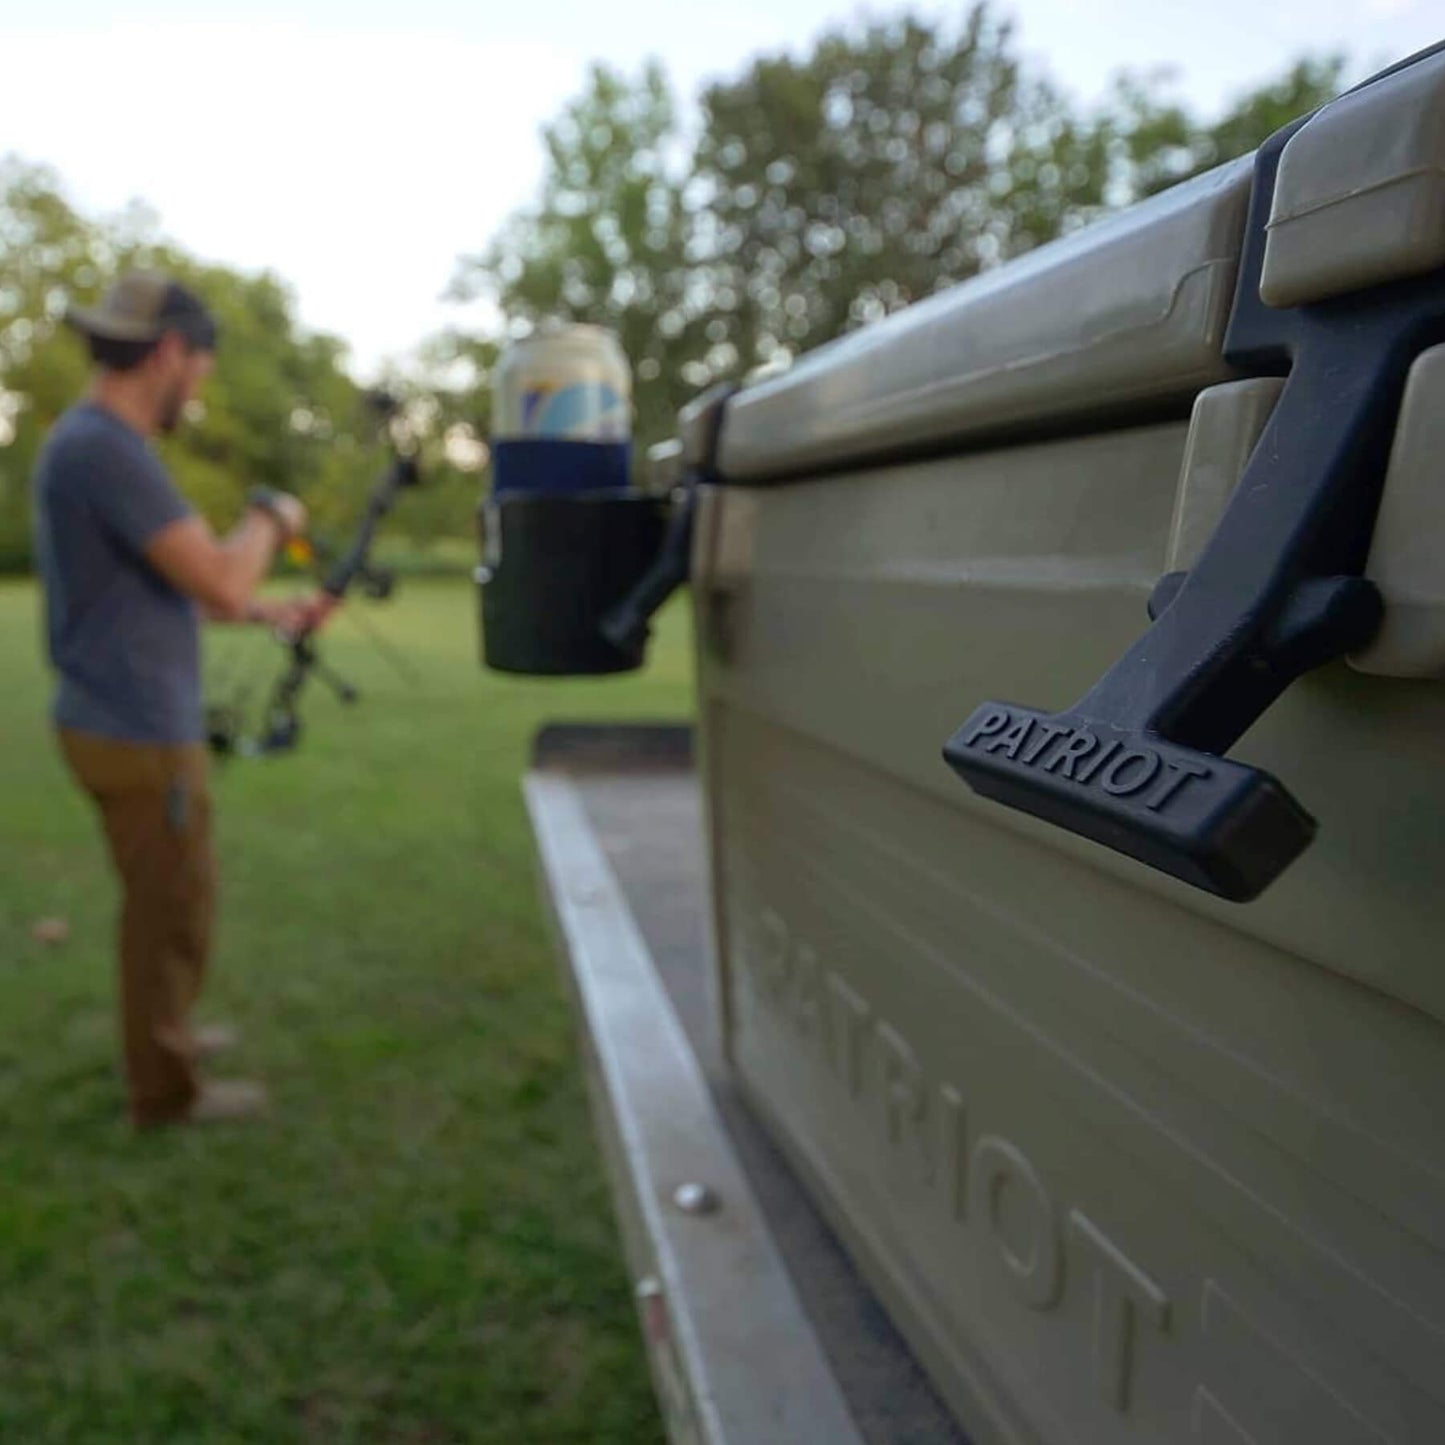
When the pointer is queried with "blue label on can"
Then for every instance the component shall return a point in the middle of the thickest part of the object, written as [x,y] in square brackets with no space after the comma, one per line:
[581,411]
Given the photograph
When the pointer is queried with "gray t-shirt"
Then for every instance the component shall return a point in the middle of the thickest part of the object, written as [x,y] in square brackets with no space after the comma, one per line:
[125,643]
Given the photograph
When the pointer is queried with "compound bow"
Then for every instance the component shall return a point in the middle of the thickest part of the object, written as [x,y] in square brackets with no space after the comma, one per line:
[280,728]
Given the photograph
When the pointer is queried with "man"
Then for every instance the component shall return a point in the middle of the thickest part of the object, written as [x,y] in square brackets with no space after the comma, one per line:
[128,570]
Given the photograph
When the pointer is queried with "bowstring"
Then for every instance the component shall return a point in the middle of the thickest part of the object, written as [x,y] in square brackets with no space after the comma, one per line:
[385,648]
[236,672]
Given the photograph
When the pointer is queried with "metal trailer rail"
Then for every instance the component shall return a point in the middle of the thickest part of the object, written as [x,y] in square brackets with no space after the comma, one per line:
[758,1330]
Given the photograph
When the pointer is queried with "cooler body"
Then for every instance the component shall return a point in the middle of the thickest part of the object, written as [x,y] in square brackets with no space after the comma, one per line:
[1125,1160]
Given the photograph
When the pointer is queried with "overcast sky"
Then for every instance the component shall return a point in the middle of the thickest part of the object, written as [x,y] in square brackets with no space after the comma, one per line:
[357,148]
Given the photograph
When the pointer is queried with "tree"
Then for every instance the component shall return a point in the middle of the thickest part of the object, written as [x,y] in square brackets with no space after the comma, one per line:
[448,394]
[279,409]
[1158,143]
[895,161]
[607,241]
[45,248]
[889,163]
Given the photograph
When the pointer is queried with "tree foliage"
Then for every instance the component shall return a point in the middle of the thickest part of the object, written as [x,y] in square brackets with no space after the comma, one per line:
[1160,143]
[889,163]
[608,241]
[819,192]
[809,194]
[280,408]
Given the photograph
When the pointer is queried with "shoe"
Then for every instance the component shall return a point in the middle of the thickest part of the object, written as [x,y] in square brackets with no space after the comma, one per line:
[212,1039]
[221,1100]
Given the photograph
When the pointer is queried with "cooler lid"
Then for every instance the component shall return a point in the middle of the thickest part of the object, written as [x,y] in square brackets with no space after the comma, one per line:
[1360,196]
[1129,312]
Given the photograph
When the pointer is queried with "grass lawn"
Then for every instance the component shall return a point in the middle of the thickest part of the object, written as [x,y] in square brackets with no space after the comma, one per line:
[418,1247]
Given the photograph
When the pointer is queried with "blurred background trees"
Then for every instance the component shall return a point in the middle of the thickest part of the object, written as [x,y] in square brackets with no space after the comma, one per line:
[815,193]
[808,195]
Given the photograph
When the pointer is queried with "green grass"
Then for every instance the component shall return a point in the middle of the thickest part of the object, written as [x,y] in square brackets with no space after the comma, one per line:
[418,1247]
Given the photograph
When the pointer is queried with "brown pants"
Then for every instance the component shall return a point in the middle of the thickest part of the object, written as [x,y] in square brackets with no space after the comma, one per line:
[156,811]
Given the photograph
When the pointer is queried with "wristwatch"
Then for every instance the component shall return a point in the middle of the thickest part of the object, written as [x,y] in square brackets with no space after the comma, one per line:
[267,499]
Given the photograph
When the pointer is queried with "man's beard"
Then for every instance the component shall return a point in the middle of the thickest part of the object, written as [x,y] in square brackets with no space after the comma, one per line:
[173,406]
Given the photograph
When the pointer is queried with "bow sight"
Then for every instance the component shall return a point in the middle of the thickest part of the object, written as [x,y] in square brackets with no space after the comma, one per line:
[280,728]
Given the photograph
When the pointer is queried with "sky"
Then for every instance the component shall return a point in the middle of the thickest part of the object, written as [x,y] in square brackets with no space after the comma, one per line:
[357,149]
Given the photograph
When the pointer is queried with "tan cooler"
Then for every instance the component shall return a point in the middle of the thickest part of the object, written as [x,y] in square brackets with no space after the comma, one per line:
[1127,1158]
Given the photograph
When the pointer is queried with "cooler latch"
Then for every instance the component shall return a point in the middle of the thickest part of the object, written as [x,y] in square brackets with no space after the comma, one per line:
[1278,589]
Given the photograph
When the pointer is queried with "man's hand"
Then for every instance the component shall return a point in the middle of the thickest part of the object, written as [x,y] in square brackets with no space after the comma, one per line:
[296,615]
[286,511]
[317,610]
[293,514]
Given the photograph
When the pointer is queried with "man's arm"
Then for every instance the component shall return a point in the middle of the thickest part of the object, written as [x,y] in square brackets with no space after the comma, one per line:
[222,574]
[288,615]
